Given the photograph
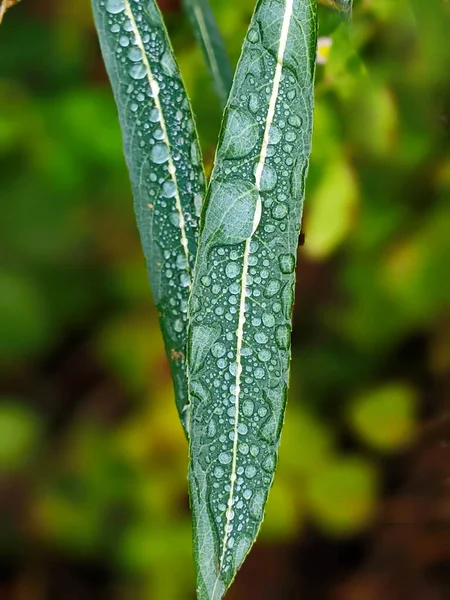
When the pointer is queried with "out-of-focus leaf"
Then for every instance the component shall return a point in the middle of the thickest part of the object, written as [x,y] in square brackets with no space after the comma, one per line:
[163,157]
[5,5]
[19,434]
[207,32]
[241,303]
[342,6]
[342,495]
[332,210]
[385,417]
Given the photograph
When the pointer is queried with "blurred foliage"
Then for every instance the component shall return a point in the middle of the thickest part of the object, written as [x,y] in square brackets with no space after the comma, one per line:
[90,445]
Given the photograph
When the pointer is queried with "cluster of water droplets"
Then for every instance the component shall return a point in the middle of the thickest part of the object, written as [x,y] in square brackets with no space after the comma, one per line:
[162,147]
[238,400]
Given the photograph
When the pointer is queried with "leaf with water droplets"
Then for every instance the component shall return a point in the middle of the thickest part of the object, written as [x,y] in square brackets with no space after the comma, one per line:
[207,33]
[163,157]
[243,289]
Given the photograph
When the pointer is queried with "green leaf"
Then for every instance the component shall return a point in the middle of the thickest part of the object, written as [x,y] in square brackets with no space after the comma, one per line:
[243,291]
[207,32]
[385,417]
[163,157]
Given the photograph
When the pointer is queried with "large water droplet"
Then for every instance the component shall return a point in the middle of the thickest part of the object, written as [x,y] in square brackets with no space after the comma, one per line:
[287,263]
[236,199]
[138,71]
[268,179]
[115,6]
[159,153]
[241,133]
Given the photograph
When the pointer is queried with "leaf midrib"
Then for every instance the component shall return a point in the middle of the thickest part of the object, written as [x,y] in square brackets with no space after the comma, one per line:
[287,18]
[172,169]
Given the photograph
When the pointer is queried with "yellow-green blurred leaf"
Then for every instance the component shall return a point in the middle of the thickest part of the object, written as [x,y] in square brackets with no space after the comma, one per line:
[385,417]
[332,210]
[19,434]
[342,496]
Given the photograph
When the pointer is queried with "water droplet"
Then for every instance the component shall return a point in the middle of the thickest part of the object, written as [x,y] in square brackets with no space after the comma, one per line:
[169,189]
[264,355]
[287,263]
[138,71]
[168,64]
[250,471]
[295,121]
[261,337]
[253,35]
[268,319]
[237,199]
[272,288]
[154,115]
[115,6]
[279,211]
[178,325]
[124,41]
[253,103]
[159,153]
[232,270]
[257,505]
[283,337]
[241,133]
[248,407]
[275,135]
[181,262]
[218,472]
[268,179]
[135,54]
[225,458]
[218,350]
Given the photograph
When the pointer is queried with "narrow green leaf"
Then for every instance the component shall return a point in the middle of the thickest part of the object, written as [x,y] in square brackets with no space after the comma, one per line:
[243,291]
[163,157]
[207,32]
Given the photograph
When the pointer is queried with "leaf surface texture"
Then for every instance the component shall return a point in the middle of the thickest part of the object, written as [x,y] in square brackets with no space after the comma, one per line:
[243,290]
[163,158]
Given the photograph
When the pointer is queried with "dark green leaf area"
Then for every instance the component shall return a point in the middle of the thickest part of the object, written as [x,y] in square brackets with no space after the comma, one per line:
[242,295]
[163,158]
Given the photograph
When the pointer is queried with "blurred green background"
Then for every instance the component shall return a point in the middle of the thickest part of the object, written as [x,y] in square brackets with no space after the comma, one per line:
[92,458]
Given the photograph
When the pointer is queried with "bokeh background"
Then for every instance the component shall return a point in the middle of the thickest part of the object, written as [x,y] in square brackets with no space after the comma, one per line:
[93,460]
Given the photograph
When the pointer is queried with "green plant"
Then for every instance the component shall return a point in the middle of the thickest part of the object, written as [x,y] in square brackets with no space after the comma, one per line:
[221,257]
